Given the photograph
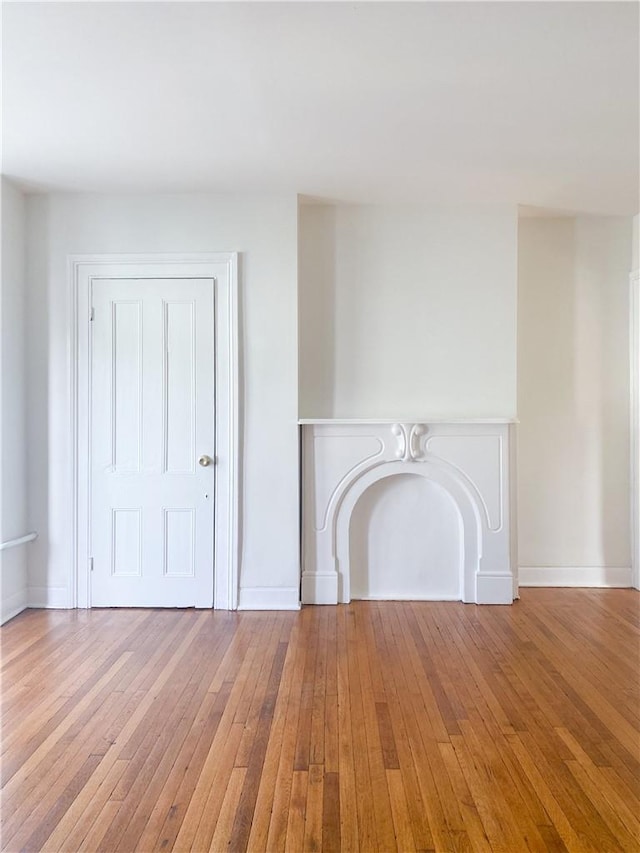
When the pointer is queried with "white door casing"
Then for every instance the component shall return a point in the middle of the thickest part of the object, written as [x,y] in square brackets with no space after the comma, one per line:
[634,335]
[173,516]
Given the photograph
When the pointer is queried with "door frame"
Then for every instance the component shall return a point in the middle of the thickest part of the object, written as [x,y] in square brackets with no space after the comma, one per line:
[634,351]
[222,268]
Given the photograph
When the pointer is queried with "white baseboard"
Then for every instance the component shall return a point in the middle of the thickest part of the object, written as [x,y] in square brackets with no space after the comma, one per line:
[53,597]
[392,596]
[587,576]
[269,598]
[13,605]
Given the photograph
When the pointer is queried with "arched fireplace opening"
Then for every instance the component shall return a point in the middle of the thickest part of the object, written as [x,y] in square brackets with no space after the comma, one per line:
[406,542]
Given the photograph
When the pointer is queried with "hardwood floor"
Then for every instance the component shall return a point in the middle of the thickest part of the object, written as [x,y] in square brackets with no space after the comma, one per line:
[370,726]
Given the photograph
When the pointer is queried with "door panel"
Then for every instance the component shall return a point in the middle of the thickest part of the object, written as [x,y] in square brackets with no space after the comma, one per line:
[152,416]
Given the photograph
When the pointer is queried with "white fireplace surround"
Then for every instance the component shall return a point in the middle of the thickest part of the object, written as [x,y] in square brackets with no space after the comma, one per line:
[470,460]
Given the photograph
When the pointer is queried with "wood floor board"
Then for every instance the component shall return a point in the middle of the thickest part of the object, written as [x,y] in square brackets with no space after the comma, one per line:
[319,700]
[241,827]
[424,730]
[364,797]
[569,795]
[75,816]
[71,834]
[624,775]
[168,808]
[204,799]
[372,682]
[312,840]
[168,803]
[297,811]
[199,826]
[265,805]
[93,839]
[280,758]
[374,726]
[349,833]
[396,689]
[56,771]
[223,837]
[520,814]
[48,701]
[140,788]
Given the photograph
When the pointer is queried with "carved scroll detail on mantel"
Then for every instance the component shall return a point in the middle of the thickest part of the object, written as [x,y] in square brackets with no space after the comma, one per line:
[408,436]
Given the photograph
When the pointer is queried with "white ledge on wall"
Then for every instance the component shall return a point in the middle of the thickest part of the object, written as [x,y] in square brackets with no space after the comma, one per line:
[21,540]
[467,464]
[423,420]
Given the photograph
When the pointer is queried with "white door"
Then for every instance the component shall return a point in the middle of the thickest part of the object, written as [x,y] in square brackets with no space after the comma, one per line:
[152,442]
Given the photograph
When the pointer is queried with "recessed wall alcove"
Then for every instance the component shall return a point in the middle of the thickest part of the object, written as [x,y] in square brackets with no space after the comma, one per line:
[405,541]
[424,506]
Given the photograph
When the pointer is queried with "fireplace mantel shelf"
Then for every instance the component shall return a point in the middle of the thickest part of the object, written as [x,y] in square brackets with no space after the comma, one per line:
[422,420]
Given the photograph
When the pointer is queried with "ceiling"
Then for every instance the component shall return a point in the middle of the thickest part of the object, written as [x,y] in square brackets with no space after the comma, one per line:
[444,103]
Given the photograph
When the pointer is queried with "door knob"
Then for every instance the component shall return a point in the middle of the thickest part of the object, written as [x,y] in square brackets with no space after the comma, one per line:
[205,461]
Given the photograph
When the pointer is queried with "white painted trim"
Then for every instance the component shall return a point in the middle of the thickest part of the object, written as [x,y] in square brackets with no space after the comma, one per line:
[634,353]
[223,268]
[21,540]
[51,597]
[512,524]
[13,605]
[494,588]
[422,420]
[269,598]
[604,577]
[320,587]
[403,597]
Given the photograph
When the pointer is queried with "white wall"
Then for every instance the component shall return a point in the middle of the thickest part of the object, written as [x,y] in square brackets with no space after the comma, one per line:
[407,312]
[13,502]
[402,312]
[573,400]
[635,403]
[264,231]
